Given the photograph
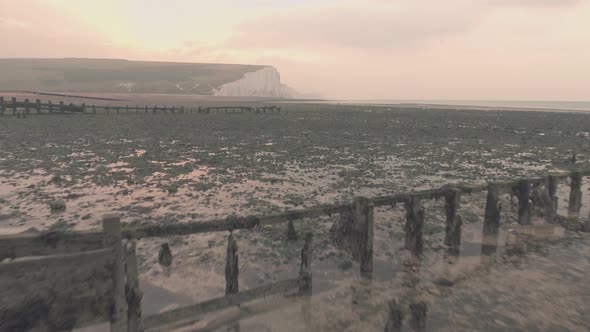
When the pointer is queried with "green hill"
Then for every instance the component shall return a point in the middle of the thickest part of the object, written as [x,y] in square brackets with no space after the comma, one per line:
[113,76]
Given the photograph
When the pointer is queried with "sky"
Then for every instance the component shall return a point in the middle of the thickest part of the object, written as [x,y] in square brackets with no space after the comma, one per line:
[342,49]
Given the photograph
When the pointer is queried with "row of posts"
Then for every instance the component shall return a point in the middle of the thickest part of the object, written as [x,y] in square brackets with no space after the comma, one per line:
[363,215]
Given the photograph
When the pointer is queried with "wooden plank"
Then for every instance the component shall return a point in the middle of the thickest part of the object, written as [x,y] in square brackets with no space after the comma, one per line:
[228,224]
[111,224]
[188,312]
[48,243]
[56,292]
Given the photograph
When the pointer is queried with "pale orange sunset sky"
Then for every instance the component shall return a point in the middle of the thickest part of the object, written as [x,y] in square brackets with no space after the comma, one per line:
[351,49]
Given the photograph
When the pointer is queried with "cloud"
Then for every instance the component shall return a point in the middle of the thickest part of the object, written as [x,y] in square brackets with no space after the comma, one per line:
[375,26]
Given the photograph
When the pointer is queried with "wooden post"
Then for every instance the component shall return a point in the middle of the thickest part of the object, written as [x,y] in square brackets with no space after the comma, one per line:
[291,232]
[155,109]
[395,317]
[418,319]
[83,107]
[454,222]
[363,234]
[146,109]
[305,269]
[61,106]
[523,190]
[38,105]
[231,267]
[111,225]
[1,106]
[231,274]
[413,227]
[182,109]
[575,202]
[552,191]
[94,109]
[14,108]
[491,224]
[133,292]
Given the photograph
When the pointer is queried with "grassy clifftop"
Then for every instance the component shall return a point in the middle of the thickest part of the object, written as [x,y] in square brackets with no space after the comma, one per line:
[112,76]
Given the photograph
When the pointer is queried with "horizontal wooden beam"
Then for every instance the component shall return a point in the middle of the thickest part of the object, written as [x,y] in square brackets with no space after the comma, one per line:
[48,243]
[192,311]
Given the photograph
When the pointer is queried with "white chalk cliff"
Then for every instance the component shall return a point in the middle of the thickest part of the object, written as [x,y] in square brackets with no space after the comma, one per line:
[265,82]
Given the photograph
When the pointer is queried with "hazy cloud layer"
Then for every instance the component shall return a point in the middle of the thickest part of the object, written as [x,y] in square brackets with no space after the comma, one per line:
[402,49]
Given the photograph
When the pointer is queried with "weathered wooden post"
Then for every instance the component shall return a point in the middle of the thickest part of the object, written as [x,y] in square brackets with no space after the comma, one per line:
[231,274]
[454,222]
[111,224]
[305,269]
[575,202]
[291,232]
[491,224]
[61,106]
[1,106]
[182,109]
[523,191]
[38,105]
[363,234]
[395,317]
[231,266]
[413,227]
[27,107]
[83,107]
[552,192]
[418,319]
[14,106]
[133,292]
[50,106]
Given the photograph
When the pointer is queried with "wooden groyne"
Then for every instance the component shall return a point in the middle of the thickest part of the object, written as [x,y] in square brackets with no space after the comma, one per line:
[355,227]
[26,107]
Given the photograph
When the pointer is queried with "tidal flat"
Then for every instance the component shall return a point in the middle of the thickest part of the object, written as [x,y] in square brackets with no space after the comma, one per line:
[167,168]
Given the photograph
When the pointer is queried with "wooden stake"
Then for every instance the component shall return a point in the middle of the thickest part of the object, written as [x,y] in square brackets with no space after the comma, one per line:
[413,227]
[231,267]
[133,292]
[491,224]
[523,190]
[454,222]
[111,225]
[394,317]
[575,202]
[305,268]
[363,233]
